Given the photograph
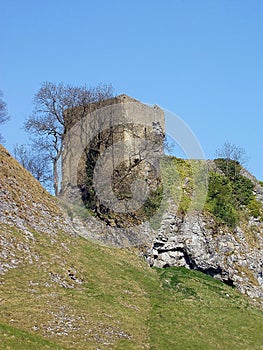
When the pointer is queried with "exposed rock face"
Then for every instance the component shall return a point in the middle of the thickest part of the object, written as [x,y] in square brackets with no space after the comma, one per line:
[197,242]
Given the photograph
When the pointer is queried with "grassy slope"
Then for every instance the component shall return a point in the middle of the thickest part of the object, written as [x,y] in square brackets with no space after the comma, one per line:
[120,303]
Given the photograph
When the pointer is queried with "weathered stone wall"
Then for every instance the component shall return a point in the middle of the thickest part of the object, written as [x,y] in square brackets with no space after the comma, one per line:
[118,131]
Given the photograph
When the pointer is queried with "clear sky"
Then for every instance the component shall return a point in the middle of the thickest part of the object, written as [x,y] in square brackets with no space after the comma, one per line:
[200,59]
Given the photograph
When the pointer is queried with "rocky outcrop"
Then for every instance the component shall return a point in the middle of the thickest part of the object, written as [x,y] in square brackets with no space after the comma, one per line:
[195,241]
[198,242]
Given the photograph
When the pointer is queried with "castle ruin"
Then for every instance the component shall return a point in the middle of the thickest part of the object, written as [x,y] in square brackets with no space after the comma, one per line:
[110,157]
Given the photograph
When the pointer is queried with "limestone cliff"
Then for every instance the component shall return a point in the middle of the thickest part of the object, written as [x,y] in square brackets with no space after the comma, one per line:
[208,241]
[197,242]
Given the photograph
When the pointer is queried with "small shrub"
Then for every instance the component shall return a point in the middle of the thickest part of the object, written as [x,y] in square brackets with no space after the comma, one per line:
[255,208]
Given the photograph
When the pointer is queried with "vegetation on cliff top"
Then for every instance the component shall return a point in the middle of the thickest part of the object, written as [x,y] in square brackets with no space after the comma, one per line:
[230,194]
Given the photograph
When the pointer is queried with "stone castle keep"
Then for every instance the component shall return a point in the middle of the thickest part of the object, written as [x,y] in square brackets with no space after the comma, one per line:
[110,154]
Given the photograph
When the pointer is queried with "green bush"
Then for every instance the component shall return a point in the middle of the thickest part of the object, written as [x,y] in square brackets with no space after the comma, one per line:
[231,193]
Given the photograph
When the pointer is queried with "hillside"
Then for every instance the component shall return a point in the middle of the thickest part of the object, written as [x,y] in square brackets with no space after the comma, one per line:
[61,291]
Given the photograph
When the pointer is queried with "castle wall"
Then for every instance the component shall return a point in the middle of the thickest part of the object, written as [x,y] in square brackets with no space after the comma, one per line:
[137,130]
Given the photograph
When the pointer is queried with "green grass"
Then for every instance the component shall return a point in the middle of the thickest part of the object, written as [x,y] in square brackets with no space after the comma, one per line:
[199,312]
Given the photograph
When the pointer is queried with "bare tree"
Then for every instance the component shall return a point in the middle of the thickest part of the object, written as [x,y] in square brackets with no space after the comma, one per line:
[36,163]
[3,113]
[52,102]
[230,151]
[233,156]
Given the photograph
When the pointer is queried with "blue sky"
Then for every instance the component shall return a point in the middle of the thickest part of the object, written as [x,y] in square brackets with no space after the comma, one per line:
[200,59]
